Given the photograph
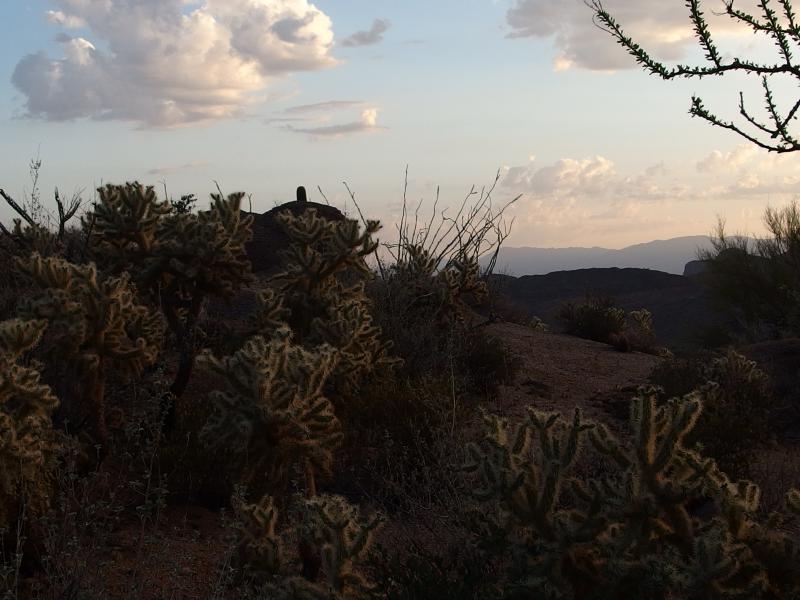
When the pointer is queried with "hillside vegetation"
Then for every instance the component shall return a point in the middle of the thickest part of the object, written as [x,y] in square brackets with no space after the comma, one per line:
[349,431]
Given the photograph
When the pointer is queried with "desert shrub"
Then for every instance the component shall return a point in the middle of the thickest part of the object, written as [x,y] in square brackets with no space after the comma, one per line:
[758,281]
[738,400]
[537,324]
[630,531]
[640,331]
[399,443]
[596,318]
[486,362]
[459,572]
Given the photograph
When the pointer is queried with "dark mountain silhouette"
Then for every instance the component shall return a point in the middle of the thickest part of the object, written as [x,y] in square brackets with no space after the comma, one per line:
[680,305]
[669,256]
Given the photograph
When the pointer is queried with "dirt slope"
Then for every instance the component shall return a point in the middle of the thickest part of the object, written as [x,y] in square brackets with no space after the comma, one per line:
[560,372]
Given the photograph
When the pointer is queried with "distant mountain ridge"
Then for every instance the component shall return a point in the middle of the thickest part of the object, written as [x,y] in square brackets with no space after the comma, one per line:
[668,256]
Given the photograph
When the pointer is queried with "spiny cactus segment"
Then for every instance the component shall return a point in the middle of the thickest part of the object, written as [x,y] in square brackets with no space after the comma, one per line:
[177,258]
[320,295]
[93,323]
[634,532]
[273,415]
[329,523]
[27,441]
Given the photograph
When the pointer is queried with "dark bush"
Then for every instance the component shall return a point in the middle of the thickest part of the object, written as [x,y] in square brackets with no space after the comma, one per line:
[596,318]
[738,405]
[486,363]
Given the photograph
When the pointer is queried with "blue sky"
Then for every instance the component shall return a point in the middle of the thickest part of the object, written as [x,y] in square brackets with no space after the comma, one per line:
[191,92]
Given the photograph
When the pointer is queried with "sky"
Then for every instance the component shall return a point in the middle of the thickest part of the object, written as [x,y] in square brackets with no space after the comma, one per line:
[264,95]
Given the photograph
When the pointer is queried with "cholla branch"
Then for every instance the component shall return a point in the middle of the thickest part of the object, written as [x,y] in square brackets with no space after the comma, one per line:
[772,131]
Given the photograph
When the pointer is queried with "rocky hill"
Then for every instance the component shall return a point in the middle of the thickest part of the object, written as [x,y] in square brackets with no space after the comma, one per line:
[680,305]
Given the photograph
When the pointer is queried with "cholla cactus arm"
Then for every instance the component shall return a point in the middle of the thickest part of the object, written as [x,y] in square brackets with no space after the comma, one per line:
[274,410]
[343,536]
[178,258]
[123,224]
[318,305]
[27,440]
[259,545]
[33,398]
[793,501]
[93,322]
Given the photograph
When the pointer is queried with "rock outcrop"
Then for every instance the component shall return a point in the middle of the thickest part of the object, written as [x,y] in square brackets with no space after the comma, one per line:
[268,235]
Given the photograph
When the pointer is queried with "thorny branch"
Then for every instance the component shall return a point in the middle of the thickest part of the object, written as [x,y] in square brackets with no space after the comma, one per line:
[781,24]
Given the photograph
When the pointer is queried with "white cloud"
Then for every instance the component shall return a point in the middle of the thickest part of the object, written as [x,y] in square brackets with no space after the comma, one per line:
[373,35]
[661,27]
[570,201]
[747,171]
[723,161]
[594,177]
[171,62]
[368,123]
[57,17]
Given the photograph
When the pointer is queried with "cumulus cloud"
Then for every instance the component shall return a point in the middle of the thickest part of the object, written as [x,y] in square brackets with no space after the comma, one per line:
[571,200]
[662,28]
[373,35]
[171,62]
[574,199]
[595,177]
[746,171]
[719,161]
[57,17]
[368,123]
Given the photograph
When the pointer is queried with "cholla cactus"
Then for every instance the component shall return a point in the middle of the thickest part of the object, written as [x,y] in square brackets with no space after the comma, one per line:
[632,532]
[176,258]
[27,442]
[93,323]
[274,415]
[329,523]
[315,294]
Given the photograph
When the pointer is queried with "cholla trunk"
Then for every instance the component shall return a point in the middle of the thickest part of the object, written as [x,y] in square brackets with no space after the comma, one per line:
[310,554]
